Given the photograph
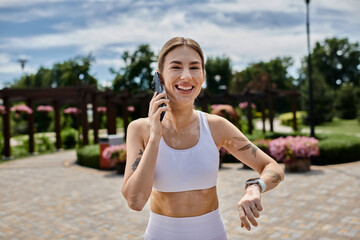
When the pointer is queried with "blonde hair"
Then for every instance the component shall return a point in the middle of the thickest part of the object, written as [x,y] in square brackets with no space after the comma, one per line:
[176,42]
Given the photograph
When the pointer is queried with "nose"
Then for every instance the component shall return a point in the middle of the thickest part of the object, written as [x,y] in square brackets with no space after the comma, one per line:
[185,74]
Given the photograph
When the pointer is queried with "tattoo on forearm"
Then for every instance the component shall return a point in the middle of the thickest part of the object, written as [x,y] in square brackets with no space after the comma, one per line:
[137,161]
[276,177]
[247,146]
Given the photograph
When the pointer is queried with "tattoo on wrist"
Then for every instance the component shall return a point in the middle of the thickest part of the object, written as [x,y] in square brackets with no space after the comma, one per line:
[276,177]
[247,146]
[137,161]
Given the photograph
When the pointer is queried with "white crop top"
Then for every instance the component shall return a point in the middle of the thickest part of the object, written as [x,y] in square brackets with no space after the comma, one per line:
[188,169]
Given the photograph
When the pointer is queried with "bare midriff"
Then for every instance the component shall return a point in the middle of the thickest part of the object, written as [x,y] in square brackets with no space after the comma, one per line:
[184,204]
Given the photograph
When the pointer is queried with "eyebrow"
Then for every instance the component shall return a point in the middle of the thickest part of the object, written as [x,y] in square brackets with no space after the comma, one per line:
[178,62]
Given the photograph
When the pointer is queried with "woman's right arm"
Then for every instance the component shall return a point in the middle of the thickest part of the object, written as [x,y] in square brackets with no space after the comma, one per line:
[141,160]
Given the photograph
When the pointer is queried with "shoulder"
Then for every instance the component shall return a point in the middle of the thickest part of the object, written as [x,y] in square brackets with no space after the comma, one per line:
[139,129]
[219,128]
[139,124]
[215,121]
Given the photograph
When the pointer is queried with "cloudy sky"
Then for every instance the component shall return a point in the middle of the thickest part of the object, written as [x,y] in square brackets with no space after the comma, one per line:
[247,31]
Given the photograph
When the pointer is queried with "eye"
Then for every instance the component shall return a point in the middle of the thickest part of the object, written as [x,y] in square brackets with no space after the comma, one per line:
[194,68]
[175,67]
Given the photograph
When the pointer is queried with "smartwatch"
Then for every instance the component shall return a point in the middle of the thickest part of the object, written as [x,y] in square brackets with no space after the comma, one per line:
[257,181]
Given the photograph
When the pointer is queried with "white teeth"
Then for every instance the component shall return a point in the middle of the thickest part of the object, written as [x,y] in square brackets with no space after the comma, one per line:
[184,88]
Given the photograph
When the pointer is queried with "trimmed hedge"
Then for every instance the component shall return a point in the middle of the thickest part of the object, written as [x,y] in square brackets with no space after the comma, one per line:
[287,118]
[68,136]
[334,148]
[89,156]
[337,148]
[1,144]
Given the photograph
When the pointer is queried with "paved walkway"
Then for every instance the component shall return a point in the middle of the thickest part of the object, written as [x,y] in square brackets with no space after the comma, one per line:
[48,197]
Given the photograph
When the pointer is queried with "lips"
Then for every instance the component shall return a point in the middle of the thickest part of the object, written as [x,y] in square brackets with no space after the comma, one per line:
[184,88]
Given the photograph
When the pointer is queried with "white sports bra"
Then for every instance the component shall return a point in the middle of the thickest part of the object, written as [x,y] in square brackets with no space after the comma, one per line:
[194,168]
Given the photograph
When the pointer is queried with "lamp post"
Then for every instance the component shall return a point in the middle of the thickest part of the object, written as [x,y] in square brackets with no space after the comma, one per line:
[311,104]
[22,62]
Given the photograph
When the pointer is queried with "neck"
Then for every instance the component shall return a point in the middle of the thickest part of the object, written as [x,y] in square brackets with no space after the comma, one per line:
[180,117]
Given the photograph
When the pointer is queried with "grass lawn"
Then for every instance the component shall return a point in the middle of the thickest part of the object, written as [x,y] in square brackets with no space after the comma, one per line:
[340,126]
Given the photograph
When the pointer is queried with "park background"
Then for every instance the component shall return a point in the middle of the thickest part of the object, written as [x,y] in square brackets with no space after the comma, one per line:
[112,45]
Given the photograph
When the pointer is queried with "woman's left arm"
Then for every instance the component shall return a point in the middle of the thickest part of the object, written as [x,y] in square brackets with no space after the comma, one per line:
[234,141]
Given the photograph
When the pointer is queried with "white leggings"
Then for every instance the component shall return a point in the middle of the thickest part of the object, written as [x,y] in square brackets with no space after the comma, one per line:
[205,227]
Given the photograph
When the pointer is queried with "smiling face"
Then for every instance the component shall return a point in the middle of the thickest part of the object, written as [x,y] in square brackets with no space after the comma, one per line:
[183,74]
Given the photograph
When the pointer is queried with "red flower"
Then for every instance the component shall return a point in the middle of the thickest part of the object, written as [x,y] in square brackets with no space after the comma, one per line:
[45,108]
[2,109]
[22,108]
[101,109]
[116,153]
[72,110]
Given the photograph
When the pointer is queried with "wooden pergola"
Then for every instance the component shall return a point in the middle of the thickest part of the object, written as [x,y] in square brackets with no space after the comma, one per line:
[79,96]
[267,96]
[82,96]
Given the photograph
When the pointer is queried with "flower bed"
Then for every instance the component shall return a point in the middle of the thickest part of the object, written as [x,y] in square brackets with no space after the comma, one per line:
[22,108]
[45,108]
[116,155]
[295,152]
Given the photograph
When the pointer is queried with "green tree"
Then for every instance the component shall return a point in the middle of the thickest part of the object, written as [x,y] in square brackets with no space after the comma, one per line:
[40,79]
[338,60]
[323,98]
[137,73]
[73,72]
[264,75]
[347,100]
[218,74]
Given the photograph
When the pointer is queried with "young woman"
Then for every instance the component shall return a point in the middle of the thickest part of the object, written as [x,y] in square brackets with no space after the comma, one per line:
[175,161]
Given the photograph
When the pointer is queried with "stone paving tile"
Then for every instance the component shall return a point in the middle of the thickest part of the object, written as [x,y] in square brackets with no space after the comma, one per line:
[49,197]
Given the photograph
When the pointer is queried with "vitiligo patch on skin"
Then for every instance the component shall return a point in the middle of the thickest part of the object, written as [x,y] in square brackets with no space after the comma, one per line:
[187,135]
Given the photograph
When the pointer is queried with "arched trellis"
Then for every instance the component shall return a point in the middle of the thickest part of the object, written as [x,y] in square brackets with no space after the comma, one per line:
[82,96]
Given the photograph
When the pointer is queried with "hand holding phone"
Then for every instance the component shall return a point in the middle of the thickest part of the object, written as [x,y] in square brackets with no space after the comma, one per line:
[159,89]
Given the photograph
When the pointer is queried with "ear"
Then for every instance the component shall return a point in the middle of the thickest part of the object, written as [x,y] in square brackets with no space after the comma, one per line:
[160,76]
[204,80]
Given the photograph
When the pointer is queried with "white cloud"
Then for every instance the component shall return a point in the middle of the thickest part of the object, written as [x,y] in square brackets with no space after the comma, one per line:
[22,3]
[11,65]
[7,65]
[250,6]
[143,23]
[115,63]
[28,13]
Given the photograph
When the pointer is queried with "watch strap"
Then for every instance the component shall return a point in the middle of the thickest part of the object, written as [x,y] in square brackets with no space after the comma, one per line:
[257,181]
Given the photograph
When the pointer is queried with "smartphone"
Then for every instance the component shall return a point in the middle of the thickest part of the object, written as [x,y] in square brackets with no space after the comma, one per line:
[158,88]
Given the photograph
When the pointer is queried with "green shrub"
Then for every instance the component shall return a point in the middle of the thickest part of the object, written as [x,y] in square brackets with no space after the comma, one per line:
[89,156]
[337,148]
[44,144]
[347,97]
[258,134]
[21,149]
[1,145]
[43,120]
[334,148]
[287,118]
[68,137]
[323,98]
